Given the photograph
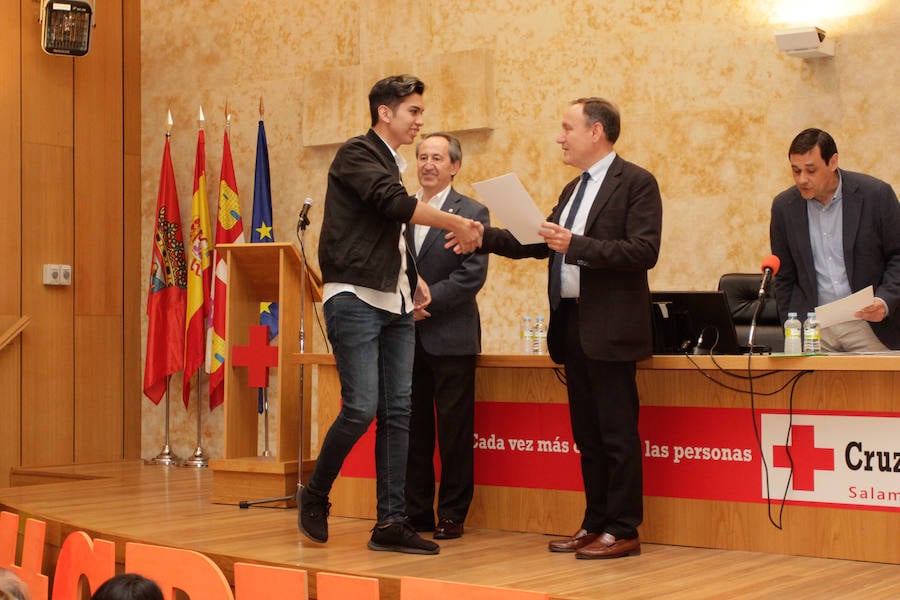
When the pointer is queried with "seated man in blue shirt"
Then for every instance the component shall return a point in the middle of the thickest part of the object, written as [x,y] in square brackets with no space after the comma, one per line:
[837,232]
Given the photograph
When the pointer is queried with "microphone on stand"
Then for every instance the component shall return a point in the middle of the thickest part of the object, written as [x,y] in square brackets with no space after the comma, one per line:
[303,219]
[770,265]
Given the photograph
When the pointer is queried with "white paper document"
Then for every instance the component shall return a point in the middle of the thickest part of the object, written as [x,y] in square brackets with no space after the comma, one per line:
[843,310]
[508,199]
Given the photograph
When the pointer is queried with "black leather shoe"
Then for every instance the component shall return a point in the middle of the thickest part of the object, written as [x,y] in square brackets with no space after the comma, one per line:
[448,529]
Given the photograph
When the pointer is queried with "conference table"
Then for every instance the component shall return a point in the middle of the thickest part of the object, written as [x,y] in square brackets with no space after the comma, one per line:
[797,455]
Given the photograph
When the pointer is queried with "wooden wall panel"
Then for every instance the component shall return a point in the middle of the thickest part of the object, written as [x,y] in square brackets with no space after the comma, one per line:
[131,239]
[10,236]
[98,171]
[46,88]
[99,414]
[47,219]
[10,165]
[98,233]
[47,350]
[63,133]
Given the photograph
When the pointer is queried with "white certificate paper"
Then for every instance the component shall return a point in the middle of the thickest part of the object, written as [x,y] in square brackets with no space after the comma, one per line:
[843,310]
[508,199]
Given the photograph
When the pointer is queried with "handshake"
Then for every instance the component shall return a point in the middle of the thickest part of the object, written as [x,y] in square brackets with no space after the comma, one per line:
[465,236]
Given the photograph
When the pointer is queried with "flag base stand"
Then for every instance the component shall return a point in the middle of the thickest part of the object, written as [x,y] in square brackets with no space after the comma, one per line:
[198,459]
[166,457]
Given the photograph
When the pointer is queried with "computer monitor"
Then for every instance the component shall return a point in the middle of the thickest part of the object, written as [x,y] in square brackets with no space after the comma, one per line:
[693,323]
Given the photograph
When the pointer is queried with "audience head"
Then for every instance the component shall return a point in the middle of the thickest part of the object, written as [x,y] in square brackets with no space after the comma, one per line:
[128,586]
[12,587]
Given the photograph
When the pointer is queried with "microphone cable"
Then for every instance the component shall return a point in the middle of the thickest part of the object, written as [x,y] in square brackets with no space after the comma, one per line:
[752,393]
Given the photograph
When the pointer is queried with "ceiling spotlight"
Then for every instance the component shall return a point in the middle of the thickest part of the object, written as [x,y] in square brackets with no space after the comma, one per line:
[66,26]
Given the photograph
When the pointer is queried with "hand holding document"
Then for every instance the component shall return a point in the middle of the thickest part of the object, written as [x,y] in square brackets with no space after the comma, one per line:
[844,309]
[508,199]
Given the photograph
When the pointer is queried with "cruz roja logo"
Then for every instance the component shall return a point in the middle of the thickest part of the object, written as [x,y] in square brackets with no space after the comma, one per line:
[805,456]
[834,458]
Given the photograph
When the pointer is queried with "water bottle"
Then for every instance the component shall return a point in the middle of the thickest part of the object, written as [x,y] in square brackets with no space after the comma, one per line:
[527,335]
[811,343]
[793,335]
[539,337]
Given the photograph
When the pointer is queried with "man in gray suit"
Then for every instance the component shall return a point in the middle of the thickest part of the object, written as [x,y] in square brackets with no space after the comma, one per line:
[837,232]
[448,336]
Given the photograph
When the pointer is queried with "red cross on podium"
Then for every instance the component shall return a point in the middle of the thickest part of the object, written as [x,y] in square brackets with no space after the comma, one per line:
[257,357]
[807,458]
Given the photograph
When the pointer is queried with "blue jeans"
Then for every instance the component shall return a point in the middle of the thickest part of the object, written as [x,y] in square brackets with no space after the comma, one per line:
[374,351]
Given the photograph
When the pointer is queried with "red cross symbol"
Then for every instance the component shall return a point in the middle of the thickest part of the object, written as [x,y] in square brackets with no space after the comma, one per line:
[807,458]
[257,357]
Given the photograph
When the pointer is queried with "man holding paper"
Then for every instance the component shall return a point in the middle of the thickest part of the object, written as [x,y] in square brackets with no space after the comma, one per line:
[837,232]
[601,238]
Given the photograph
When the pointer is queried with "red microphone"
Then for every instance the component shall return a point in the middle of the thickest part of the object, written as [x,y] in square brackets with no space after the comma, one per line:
[770,265]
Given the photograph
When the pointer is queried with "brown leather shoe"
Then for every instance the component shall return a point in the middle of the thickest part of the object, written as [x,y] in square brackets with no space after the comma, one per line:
[581,539]
[448,529]
[607,546]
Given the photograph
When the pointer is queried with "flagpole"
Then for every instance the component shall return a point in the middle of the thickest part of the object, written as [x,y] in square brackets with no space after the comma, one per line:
[166,456]
[199,458]
[265,403]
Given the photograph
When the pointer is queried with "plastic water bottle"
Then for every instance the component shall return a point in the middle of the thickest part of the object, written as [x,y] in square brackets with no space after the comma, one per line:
[811,342]
[539,337]
[793,335]
[527,335]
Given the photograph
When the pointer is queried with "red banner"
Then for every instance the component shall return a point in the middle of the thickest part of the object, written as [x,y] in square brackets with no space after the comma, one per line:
[695,452]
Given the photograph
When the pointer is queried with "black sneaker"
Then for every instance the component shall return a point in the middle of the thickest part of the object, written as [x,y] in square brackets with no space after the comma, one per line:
[312,517]
[400,536]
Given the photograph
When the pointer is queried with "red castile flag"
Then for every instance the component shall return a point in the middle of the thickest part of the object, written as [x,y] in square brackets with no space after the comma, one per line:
[168,283]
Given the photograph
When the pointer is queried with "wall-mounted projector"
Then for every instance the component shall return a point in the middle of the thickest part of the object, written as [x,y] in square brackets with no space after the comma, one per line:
[804,42]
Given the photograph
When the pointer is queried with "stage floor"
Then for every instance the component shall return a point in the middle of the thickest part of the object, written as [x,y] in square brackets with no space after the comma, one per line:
[170,506]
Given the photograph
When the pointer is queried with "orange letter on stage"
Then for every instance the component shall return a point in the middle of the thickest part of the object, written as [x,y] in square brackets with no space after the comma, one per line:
[32,552]
[79,555]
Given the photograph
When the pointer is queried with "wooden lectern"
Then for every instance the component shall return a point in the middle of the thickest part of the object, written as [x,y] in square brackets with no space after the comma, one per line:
[257,273]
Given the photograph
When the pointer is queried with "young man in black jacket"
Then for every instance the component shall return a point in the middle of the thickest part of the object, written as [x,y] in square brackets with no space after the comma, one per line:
[370,291]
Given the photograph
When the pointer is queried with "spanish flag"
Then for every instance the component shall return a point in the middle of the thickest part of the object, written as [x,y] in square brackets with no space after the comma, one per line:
[199,275]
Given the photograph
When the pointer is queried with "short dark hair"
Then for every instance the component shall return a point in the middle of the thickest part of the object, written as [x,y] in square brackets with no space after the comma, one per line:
[454,148]
[598,110]
[128,586]
[808,139]
[391,91]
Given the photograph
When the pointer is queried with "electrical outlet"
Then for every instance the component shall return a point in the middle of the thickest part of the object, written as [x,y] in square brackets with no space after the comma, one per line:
[52,275]
[65,274]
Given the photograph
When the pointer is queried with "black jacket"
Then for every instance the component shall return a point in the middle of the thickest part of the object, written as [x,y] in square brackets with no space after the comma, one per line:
[365,207]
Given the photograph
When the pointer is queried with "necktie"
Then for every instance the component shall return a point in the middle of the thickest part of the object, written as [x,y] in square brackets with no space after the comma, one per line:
[555,257]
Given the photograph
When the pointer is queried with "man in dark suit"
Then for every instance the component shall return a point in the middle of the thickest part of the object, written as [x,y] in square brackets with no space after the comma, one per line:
[837,232]
[448,336]
[600,319]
